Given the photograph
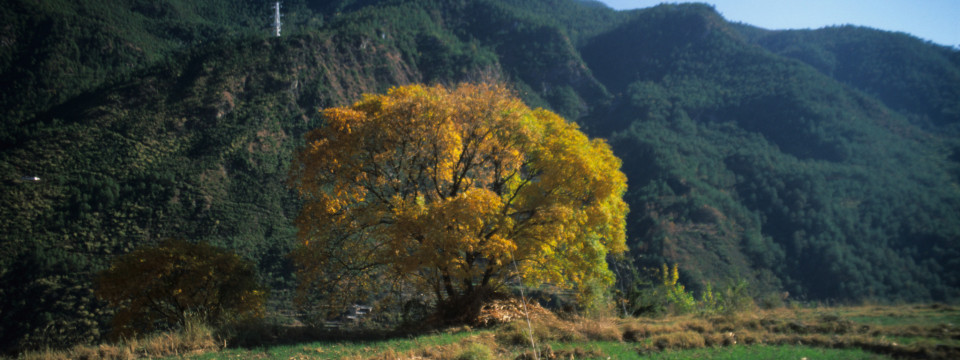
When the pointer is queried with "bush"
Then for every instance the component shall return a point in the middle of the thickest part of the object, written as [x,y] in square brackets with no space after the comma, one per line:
[163,286]
[599,330]
[736,298]
[679,340]
[666,296]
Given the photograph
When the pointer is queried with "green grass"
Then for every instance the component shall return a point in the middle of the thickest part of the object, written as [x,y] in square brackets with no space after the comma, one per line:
[909,340]
[629,351]
[341,349]
[765,352]
[908,316]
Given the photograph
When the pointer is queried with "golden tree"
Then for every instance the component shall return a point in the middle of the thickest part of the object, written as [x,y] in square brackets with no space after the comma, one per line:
[160,286]
[454,191]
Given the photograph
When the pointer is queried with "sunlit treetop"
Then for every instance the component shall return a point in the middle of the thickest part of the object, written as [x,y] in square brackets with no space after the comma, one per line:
[446,188]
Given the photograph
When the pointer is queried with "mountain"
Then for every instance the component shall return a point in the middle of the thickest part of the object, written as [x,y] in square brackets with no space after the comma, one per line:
[757,161]
[918,79]
[823,163]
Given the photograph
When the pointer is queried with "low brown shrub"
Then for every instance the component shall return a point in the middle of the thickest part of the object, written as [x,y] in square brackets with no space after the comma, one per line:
[557,329]
[750,337]
[639,331]
[818,340]
[720,339]
[679,340]
[698,325]
[633,331]
[723,323]
[195,337]
[519,332]
[502,311]
[600,329]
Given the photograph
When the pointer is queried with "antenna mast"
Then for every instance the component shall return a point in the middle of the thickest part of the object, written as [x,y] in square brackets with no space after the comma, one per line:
[276,18]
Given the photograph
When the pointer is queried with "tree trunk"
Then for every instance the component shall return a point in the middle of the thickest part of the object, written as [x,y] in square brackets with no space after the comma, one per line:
[463,308]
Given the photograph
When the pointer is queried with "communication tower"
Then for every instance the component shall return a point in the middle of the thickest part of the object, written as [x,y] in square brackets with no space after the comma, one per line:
[276,18]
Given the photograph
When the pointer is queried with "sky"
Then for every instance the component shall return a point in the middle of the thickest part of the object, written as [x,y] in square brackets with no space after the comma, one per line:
[933,20]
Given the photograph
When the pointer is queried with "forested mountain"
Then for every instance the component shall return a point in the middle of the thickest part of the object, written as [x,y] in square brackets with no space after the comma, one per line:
[920,80]
[823,163]
[816,182]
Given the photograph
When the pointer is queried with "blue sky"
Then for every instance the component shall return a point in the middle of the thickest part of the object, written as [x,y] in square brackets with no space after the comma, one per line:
[934,20]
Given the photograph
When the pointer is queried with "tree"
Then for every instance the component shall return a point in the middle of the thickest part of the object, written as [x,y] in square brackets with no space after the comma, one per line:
[160,286]
[453,192]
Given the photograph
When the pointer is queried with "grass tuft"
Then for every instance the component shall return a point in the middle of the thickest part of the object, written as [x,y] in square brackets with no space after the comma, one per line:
[475,351]
[699,325]
[679,340]
[194,337]
[599,329]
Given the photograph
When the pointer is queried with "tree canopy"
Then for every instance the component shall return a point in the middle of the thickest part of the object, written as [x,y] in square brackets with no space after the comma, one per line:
[443,189]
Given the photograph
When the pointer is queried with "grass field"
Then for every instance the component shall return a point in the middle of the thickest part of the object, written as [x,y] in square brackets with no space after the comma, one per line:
[862,332]
[599,350]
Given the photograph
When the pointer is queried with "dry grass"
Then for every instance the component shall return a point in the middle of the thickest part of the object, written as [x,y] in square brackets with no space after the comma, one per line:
[871,328]
[930,330]
[473,348]
[502,311]
[698,325]
[904,331]
[678,340]
[193,338]
[720,339]
[546,329]
[547,352]
[635,330]
[606,329]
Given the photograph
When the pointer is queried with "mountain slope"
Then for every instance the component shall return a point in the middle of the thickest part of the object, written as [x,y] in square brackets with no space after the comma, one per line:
[54,50]
[913,77]
[753,156]
[196,145]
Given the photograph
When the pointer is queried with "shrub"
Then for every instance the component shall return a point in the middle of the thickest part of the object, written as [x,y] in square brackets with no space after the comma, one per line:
[162,286]
[665,296]
[636,332]
[736,298]
[544,329]
[698,325]
[679,340]
[599,329]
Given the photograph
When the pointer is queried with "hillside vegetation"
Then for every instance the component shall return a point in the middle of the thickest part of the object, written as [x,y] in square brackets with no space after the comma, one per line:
[821,163]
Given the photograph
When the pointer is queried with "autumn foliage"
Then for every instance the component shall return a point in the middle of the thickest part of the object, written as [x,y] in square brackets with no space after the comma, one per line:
[161,286]
[443,189]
